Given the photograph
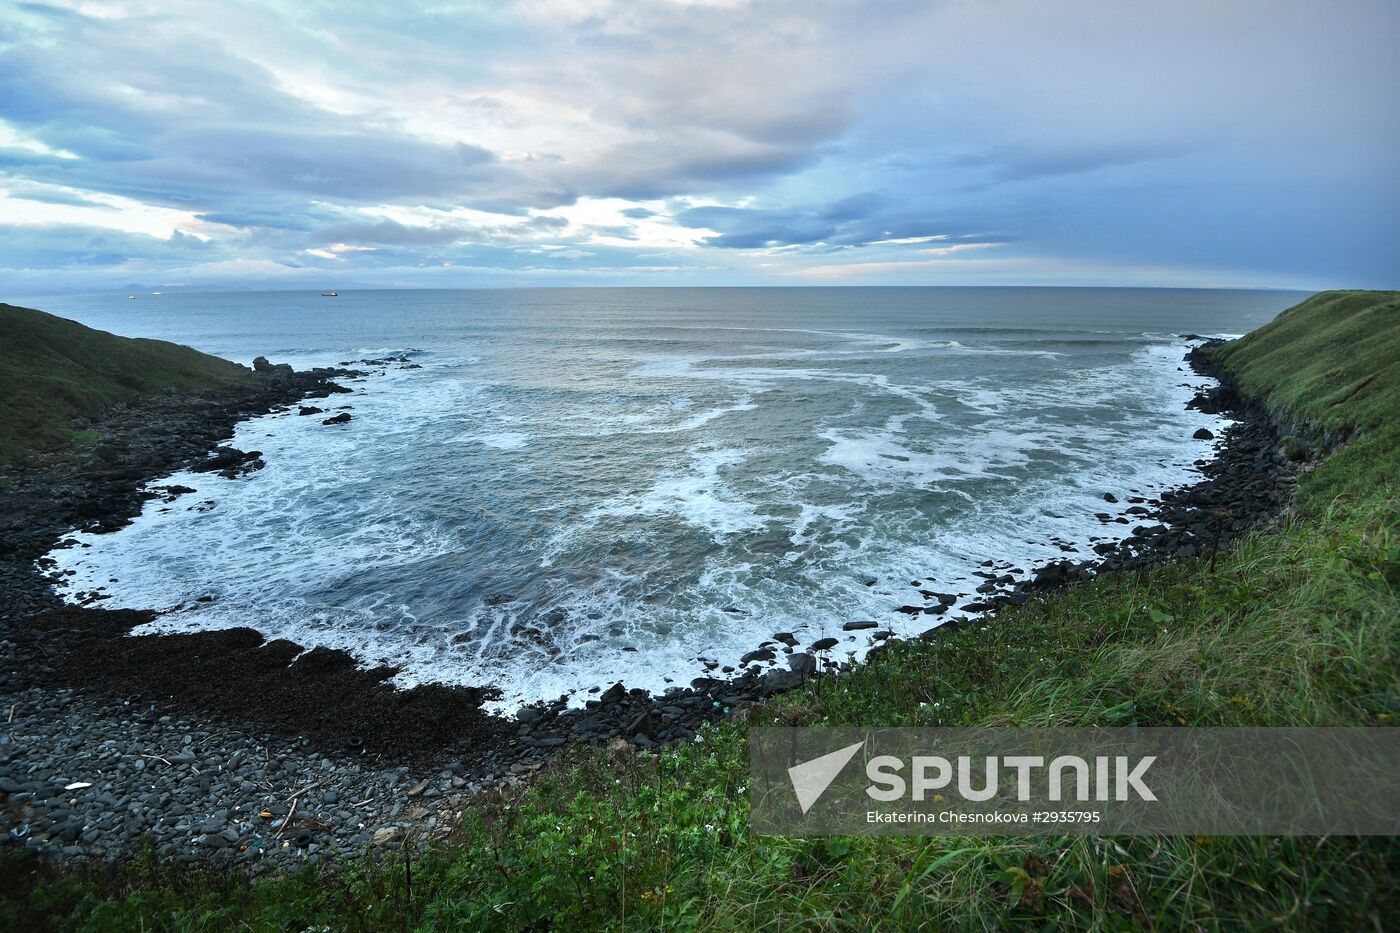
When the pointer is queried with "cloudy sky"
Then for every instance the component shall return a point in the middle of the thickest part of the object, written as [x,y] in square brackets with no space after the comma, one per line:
[333,143]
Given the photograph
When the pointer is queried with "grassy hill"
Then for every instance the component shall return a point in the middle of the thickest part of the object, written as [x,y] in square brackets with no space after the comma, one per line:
[1332,362]
[1296,626]
[53,370]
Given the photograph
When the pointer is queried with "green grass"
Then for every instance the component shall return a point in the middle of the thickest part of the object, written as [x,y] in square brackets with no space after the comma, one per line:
[1332,362]
[53,371]
[1299,625]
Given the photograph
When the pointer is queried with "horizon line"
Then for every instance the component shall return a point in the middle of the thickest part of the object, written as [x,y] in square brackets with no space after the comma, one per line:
[342,291]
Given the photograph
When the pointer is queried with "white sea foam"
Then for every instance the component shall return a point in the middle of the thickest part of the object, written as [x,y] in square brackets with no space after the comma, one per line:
[501,440]
[697,496]
[386,537]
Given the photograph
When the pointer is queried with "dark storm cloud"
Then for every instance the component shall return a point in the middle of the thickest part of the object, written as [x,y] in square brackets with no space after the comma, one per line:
[1013,165]
[656,169]
[740,228]
[853,223]
[389,232]
[291,216]
[347,167]
[25,247]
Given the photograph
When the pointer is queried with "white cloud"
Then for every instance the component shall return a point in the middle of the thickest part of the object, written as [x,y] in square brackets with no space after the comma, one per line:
[13,138]
[52,205]
[1119,133]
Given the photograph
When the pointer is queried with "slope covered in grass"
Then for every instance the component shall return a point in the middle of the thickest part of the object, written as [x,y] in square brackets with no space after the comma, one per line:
[1297,625]
[1332,361]
[53,370]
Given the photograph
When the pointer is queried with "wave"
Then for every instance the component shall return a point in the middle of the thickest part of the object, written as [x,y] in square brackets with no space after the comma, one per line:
[492,519]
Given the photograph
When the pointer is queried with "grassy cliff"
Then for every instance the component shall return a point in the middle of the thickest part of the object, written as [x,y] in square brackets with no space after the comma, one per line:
[1331,367]
[1299,625]
[53,370]
[1331,362]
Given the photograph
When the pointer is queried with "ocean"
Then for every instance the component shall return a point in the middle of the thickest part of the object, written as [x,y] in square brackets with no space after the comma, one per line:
[579,486]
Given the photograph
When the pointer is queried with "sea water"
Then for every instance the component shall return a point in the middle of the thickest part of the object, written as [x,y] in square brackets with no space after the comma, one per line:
[580,486]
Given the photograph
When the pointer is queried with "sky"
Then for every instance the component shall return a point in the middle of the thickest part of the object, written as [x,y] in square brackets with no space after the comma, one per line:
[349,143]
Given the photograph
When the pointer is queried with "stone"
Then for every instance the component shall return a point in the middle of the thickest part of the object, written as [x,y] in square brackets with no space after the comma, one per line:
[640,725]
[779,681]
[746,711]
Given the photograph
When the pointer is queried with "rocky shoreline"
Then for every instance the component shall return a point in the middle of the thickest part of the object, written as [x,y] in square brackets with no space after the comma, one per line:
[1250,478]
[219,748]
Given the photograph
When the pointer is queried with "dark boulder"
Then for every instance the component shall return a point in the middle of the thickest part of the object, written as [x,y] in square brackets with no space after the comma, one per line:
[590,725]
[264,366]
[1052,574]
[341,418]
[222,458]
[778,681]
[230,462]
